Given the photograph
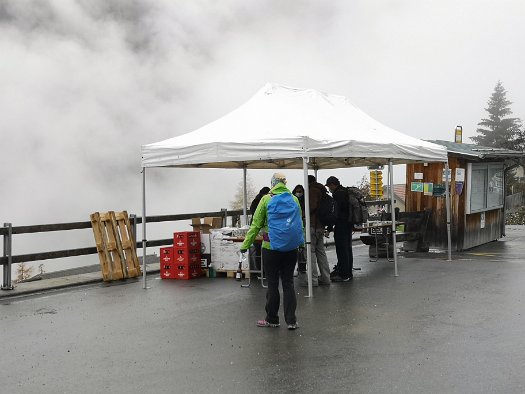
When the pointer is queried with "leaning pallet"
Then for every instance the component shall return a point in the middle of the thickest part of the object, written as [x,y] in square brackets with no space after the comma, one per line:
[127,239]
[116,252]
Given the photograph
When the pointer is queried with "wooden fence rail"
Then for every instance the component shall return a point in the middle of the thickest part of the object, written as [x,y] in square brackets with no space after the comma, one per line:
[4,231]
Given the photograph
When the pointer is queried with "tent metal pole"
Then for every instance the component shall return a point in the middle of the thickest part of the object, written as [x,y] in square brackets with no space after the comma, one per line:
[393,212]
[244,195]
[389,197]
[144,228]
[308,237]
[447,201]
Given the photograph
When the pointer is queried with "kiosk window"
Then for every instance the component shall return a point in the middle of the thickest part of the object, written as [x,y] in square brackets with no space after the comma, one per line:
[485,186]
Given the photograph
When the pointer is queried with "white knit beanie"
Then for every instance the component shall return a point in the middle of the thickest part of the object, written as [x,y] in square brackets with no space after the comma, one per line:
[278,177]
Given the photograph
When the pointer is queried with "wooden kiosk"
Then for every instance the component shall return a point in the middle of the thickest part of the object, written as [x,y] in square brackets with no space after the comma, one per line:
[477,183]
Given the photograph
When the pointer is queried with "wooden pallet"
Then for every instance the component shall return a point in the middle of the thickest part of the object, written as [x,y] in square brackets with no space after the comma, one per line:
[231,274]
[114,240]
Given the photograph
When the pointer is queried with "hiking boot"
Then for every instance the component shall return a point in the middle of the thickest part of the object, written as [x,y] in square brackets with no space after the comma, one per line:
[338,278]
[334,272]
[294,326]
[264,323]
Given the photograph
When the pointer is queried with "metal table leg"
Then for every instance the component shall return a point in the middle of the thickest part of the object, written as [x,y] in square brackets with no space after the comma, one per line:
[387,247]
[377,250]
[261,277]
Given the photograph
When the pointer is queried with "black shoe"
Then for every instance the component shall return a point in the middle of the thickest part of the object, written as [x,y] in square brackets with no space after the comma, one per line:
[334,272]
[338,278]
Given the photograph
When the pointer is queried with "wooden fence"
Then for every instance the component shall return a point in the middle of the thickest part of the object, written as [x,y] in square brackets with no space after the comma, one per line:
[8,232]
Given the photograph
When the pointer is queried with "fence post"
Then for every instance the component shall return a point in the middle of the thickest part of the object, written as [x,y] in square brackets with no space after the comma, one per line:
[133,220]
[6,283]
[225,217]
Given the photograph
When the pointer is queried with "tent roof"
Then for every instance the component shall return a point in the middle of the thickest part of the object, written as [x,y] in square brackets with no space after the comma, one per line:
[280,125]
[475,152]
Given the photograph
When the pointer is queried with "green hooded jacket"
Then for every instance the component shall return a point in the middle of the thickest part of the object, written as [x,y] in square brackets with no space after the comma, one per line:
[260,217]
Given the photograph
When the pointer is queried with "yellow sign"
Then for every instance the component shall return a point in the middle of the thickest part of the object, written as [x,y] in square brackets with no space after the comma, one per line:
[459,134]
[376,184]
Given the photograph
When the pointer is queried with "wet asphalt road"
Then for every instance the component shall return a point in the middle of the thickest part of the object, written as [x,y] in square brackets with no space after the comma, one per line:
[440,327]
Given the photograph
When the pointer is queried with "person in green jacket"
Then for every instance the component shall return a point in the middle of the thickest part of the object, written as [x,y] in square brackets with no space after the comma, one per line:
[279,261]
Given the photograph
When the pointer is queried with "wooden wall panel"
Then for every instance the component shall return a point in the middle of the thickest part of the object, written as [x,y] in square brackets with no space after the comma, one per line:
[465,229]
[475,235]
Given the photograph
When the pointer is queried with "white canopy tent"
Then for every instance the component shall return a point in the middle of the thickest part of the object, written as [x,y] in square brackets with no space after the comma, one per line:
[285,128]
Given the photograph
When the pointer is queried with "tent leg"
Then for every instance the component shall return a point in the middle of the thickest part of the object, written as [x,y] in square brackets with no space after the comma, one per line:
[308,238]
[144,286]
[244,196]
[393,212]
[447,202]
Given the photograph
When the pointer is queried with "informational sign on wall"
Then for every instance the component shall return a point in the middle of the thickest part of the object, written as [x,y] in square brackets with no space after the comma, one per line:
[449,175]
[416,187]
[428,188]
[418,175]
[460,175]
[439,190]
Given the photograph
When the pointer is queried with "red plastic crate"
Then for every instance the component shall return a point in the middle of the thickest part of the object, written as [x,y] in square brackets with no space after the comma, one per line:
[185,272]
[167,264]
[187,240]
[182,271]
[186,257]
[167,272]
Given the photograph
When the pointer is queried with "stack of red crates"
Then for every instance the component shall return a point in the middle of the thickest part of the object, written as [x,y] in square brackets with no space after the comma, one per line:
[183,259]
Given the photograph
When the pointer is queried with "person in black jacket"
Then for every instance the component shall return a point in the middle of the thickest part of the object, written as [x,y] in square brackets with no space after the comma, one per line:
[255,202]
[255,249]
[342,232]
[298,191]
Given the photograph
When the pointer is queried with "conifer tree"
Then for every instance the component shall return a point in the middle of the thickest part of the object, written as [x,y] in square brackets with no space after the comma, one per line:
[498,130]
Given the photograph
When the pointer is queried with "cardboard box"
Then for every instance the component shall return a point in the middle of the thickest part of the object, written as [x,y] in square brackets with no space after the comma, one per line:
[206,224]
[225,253]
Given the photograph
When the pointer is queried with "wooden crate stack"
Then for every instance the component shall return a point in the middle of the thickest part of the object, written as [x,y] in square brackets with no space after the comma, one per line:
[115,245]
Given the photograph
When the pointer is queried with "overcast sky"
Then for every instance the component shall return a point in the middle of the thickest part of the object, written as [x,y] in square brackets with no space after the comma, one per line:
[85,83]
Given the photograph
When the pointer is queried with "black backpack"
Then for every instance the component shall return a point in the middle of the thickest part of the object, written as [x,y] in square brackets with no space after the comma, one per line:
[327,210]
[357,209]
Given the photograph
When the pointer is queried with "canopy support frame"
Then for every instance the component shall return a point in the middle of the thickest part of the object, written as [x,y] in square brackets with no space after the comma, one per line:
[308,238]
[144,242]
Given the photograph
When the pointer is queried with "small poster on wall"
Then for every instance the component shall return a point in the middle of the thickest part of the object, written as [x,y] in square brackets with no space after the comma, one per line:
[418,175]
[428,188]
[439,190]
[449,173]
[460,175]
[416,187]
